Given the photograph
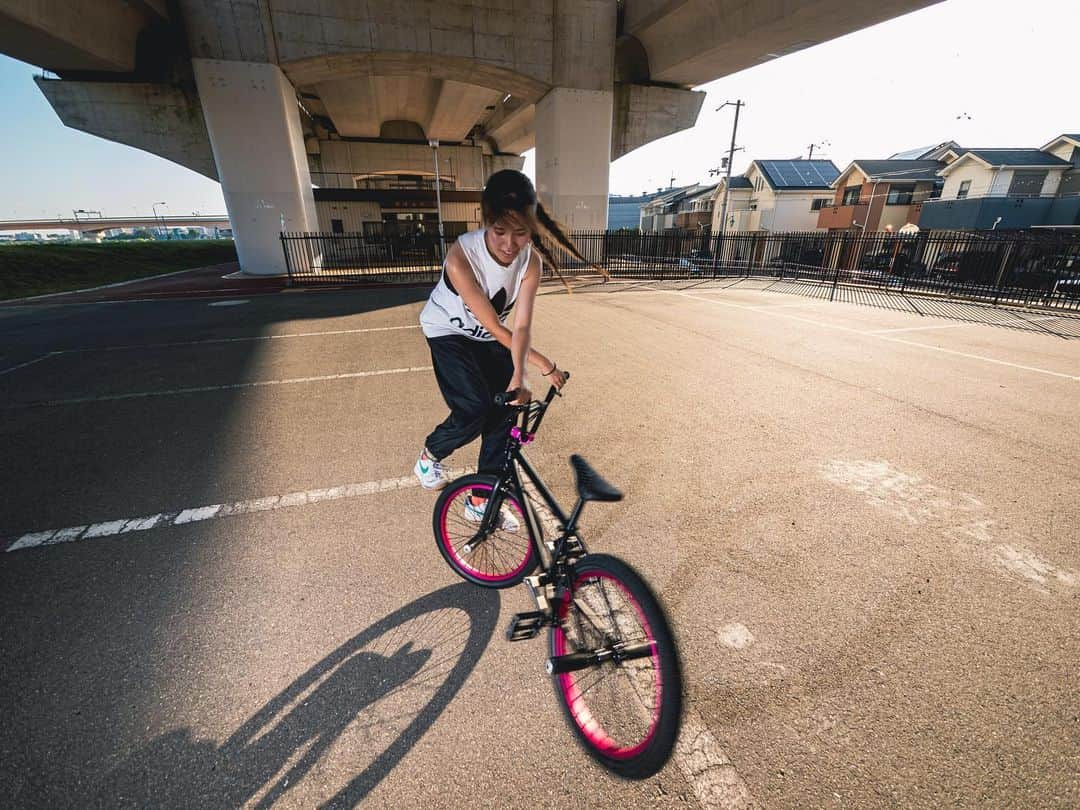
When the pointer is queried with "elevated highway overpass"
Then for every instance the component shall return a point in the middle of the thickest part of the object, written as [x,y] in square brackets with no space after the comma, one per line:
[261,94]
[95,225]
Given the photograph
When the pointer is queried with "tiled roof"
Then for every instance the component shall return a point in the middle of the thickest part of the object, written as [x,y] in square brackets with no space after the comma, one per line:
[899,170]
[1017,157]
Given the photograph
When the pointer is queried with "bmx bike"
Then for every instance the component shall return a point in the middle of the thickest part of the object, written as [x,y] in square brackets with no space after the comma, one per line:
[611,651]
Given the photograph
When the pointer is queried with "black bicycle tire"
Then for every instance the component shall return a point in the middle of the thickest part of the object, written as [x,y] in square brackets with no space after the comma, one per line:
[448,493]
[660,748]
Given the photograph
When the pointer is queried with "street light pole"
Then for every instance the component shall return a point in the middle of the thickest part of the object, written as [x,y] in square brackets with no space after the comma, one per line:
[154,206]
[738,105]
[438,195]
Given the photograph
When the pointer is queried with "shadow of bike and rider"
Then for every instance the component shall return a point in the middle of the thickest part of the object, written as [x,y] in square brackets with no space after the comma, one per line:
[397,675]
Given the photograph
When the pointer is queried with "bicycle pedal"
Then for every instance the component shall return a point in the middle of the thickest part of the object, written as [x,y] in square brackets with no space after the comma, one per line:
[524,626]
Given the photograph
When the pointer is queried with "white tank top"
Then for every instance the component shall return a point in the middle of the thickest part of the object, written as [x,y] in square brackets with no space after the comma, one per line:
[446,314]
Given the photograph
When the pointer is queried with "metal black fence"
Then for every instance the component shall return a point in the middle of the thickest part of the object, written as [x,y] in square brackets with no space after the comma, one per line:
[377,257]
[1031,267]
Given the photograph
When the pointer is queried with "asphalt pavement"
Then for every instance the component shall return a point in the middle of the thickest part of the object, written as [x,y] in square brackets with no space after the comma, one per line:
[221,587]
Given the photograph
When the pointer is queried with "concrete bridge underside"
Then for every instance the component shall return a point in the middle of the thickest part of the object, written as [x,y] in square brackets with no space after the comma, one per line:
[268,95]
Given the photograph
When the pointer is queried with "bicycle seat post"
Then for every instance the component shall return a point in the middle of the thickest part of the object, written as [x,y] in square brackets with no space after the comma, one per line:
[571,523]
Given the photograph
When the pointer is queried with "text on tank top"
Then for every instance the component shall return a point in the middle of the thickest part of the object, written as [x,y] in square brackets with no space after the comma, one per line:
[446,313]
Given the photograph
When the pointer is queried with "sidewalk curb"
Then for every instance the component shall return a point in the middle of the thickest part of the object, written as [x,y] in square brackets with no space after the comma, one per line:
[110,286]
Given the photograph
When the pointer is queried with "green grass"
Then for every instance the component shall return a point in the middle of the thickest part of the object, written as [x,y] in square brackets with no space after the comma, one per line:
[27,270]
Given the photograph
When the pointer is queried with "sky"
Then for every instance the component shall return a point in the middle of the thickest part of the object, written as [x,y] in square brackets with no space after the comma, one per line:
[981,73]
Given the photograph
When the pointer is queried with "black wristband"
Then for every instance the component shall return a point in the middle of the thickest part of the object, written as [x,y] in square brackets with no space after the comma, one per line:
[549,373]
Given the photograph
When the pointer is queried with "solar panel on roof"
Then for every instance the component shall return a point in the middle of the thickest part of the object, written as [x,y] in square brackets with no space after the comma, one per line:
[800,173]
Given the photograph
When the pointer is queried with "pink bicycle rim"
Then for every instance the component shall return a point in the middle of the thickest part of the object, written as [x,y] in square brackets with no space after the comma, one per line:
[483,575]
[583,717]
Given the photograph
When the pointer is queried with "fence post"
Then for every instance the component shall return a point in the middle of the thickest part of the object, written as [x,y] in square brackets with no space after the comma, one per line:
[288,263]
[836,271]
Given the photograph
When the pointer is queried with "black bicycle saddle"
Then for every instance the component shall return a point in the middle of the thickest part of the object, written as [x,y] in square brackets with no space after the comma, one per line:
[590,486]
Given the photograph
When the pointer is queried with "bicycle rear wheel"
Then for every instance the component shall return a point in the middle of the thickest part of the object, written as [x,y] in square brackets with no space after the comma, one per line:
[626,712]
[501,559]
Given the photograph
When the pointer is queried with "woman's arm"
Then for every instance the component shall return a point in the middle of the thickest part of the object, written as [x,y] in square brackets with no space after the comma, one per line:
[461,276]
[520,349]
[523,324]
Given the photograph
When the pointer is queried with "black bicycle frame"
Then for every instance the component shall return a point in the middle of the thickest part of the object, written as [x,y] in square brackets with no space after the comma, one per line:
[510,480]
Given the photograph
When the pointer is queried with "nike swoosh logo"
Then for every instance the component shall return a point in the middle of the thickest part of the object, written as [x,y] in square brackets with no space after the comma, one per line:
[423,469]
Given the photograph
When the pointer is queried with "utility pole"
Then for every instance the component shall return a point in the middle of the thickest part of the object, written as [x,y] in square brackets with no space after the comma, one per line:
[738,105]
[813,146]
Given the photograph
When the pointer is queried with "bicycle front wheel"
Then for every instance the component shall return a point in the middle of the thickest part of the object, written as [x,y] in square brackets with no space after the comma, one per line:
[505,556]
[623,693]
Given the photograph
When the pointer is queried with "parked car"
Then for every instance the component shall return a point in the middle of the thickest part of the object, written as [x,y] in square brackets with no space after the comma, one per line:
[974,266]
[947,265]
[1068,284]
[697,261]
[890,263]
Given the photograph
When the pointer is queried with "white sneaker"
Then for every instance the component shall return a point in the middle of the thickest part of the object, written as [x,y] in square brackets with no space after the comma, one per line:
[475,513]
[432,473]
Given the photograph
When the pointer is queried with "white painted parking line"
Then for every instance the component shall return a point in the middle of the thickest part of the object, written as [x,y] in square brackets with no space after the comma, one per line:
[838,327]
[785,306]
[27,363]
[709,771]
[231,303]
[920,328]
[179,517]
[202,389]
[1022,321]
[245,339]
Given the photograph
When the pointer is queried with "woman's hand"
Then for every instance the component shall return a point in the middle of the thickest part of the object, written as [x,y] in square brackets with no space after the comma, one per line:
[524,395]
[557,378]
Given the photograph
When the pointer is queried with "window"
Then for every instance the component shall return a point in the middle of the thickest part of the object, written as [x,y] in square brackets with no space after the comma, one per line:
[1027,183]
[900,195]
[852,194]
[818,204]
[965,187]
[337,226]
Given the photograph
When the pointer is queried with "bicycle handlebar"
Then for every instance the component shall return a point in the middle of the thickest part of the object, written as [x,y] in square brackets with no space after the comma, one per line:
[507,397]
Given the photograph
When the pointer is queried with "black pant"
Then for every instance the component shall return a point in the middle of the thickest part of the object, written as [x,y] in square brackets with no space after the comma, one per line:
[470,373]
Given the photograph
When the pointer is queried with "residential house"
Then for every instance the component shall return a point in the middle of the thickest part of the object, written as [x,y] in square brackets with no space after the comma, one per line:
[694,212]
[658,215]
[776,195]
[884,195]
[625,211]
[947,151]
[987,189]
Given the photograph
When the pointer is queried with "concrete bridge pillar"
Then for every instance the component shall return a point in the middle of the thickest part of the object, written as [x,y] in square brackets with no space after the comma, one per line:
[254,126]
[573,155]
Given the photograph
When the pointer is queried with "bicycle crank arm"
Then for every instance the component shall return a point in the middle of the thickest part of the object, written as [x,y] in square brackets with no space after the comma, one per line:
[558,664]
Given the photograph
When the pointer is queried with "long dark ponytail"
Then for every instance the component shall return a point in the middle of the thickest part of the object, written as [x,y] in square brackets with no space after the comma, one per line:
[511,192]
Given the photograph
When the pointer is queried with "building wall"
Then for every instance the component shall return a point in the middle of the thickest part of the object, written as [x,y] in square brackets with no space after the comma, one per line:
[1063,150]
[991,182]
[856,178]
[894,215]
[623,214]
[745,219]
[354,214]
[469,166]
[981,179]
[791,211]
[738,202]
